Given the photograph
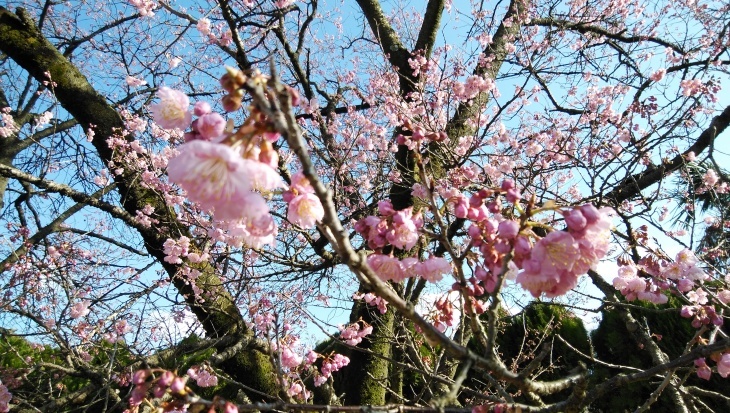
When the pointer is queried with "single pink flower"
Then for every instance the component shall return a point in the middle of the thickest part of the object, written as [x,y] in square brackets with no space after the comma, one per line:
[172,111]
[433,269]
[508,229]
[255,231]
[723,365]
[558,249]
[214,176]
[80,309]
[305,210]
[386,267]
[262,176]
[211,125]
[703,370]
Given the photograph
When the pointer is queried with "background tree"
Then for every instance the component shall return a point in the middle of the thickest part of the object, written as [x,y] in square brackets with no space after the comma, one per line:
[431,141]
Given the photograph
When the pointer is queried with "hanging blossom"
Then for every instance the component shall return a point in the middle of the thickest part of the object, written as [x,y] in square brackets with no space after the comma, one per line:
[144,7]
[305,209]
[214,175]
[5,397]
[560,258]
[10,127]
[723,366]
[80,309]
[203,376]
[172,110]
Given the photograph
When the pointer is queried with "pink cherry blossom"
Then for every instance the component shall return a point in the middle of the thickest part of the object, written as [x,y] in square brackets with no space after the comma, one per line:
[210,125]
[255,230]
[703,370]
[135,82]
[723,365]
[305,210]
[386,267]
[172,111]
[5,397]
[262,176]
[213,175]
[80,309]
[433,269]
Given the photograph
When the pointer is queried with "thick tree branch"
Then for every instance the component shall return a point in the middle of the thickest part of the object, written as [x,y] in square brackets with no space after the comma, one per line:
[632,186]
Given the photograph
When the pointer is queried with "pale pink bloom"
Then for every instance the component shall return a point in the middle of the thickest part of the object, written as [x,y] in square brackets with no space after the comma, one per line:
[262,176]
[558,249]
[508,229]
[703,370]
[10,126]
[300,183]
[698,296]
[80,309]
[386,267]
[691,87]
[210,125]
[433,269]
[43,120]
[284,3]
[135,82]
[305,210]
[203,377]
[575,220]
[202,108]
[174,62]
[684,285]
[172,111]
[546,281]
[710,178]
[203,26]
[289,358]
[723,365]
[214,176]
[409,267]
[404,236]
[658,75]
[724,296]
[256,232]
[144,7]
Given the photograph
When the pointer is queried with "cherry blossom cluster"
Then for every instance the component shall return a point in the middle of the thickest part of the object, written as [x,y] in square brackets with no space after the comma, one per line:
[354,333]
[227,172]
[552,265]
[330,364]
[390,268]
[144,7]
[444,315]
[305,209]
[5,397]
[372,300]
[652,279]
[556,261]
[203,376]
[397,228]
[418,135]
[157,383]
[9,127]
[723,366]
[633,287]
